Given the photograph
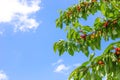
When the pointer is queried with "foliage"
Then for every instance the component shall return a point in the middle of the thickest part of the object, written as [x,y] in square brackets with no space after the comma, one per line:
[83,38]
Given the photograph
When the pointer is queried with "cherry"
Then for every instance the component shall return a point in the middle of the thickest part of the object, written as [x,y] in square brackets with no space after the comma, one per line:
[69,13]
[117,49]
[100,62]
[117,53]
[78,8]
[92,36]
[105,24]
[118,59]
[83,36]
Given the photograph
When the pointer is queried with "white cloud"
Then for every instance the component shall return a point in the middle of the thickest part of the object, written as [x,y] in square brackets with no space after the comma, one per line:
[58,62]
[76,65]
[19,13]
[61,68]
[3,76]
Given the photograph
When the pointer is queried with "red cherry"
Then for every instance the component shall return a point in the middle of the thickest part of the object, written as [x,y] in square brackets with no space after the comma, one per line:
[100,62]
[105,24]
[116,49]
[83,36]
[117,53]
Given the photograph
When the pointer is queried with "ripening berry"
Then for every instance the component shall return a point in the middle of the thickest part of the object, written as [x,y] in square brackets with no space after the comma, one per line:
[92,36]
[83,36]
[100,62]
[78,8]
[117,49]
[118,53]
[105,24]
[69,13]
[118,59]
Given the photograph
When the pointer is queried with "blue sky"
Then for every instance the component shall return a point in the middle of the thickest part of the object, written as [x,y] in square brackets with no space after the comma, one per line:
[27,34]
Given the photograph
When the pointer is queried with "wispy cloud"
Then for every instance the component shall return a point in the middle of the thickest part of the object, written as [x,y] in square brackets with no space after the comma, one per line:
[62,68]
[76,65]
[58,62]
[3,76]
[19,13]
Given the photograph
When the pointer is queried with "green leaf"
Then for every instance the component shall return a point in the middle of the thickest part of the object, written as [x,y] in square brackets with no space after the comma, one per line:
[55,47]
[71,52]
[91,56]
[85,50]
[84,16]
[61,47]
[92,46]
[103,8]
[61,51]
[114,32]
[97,20]
[86,53]
[83,71]
[93,76]
[97,43]
[57,22]
[85,63]
[76,24]
[110,15]
[87,28]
